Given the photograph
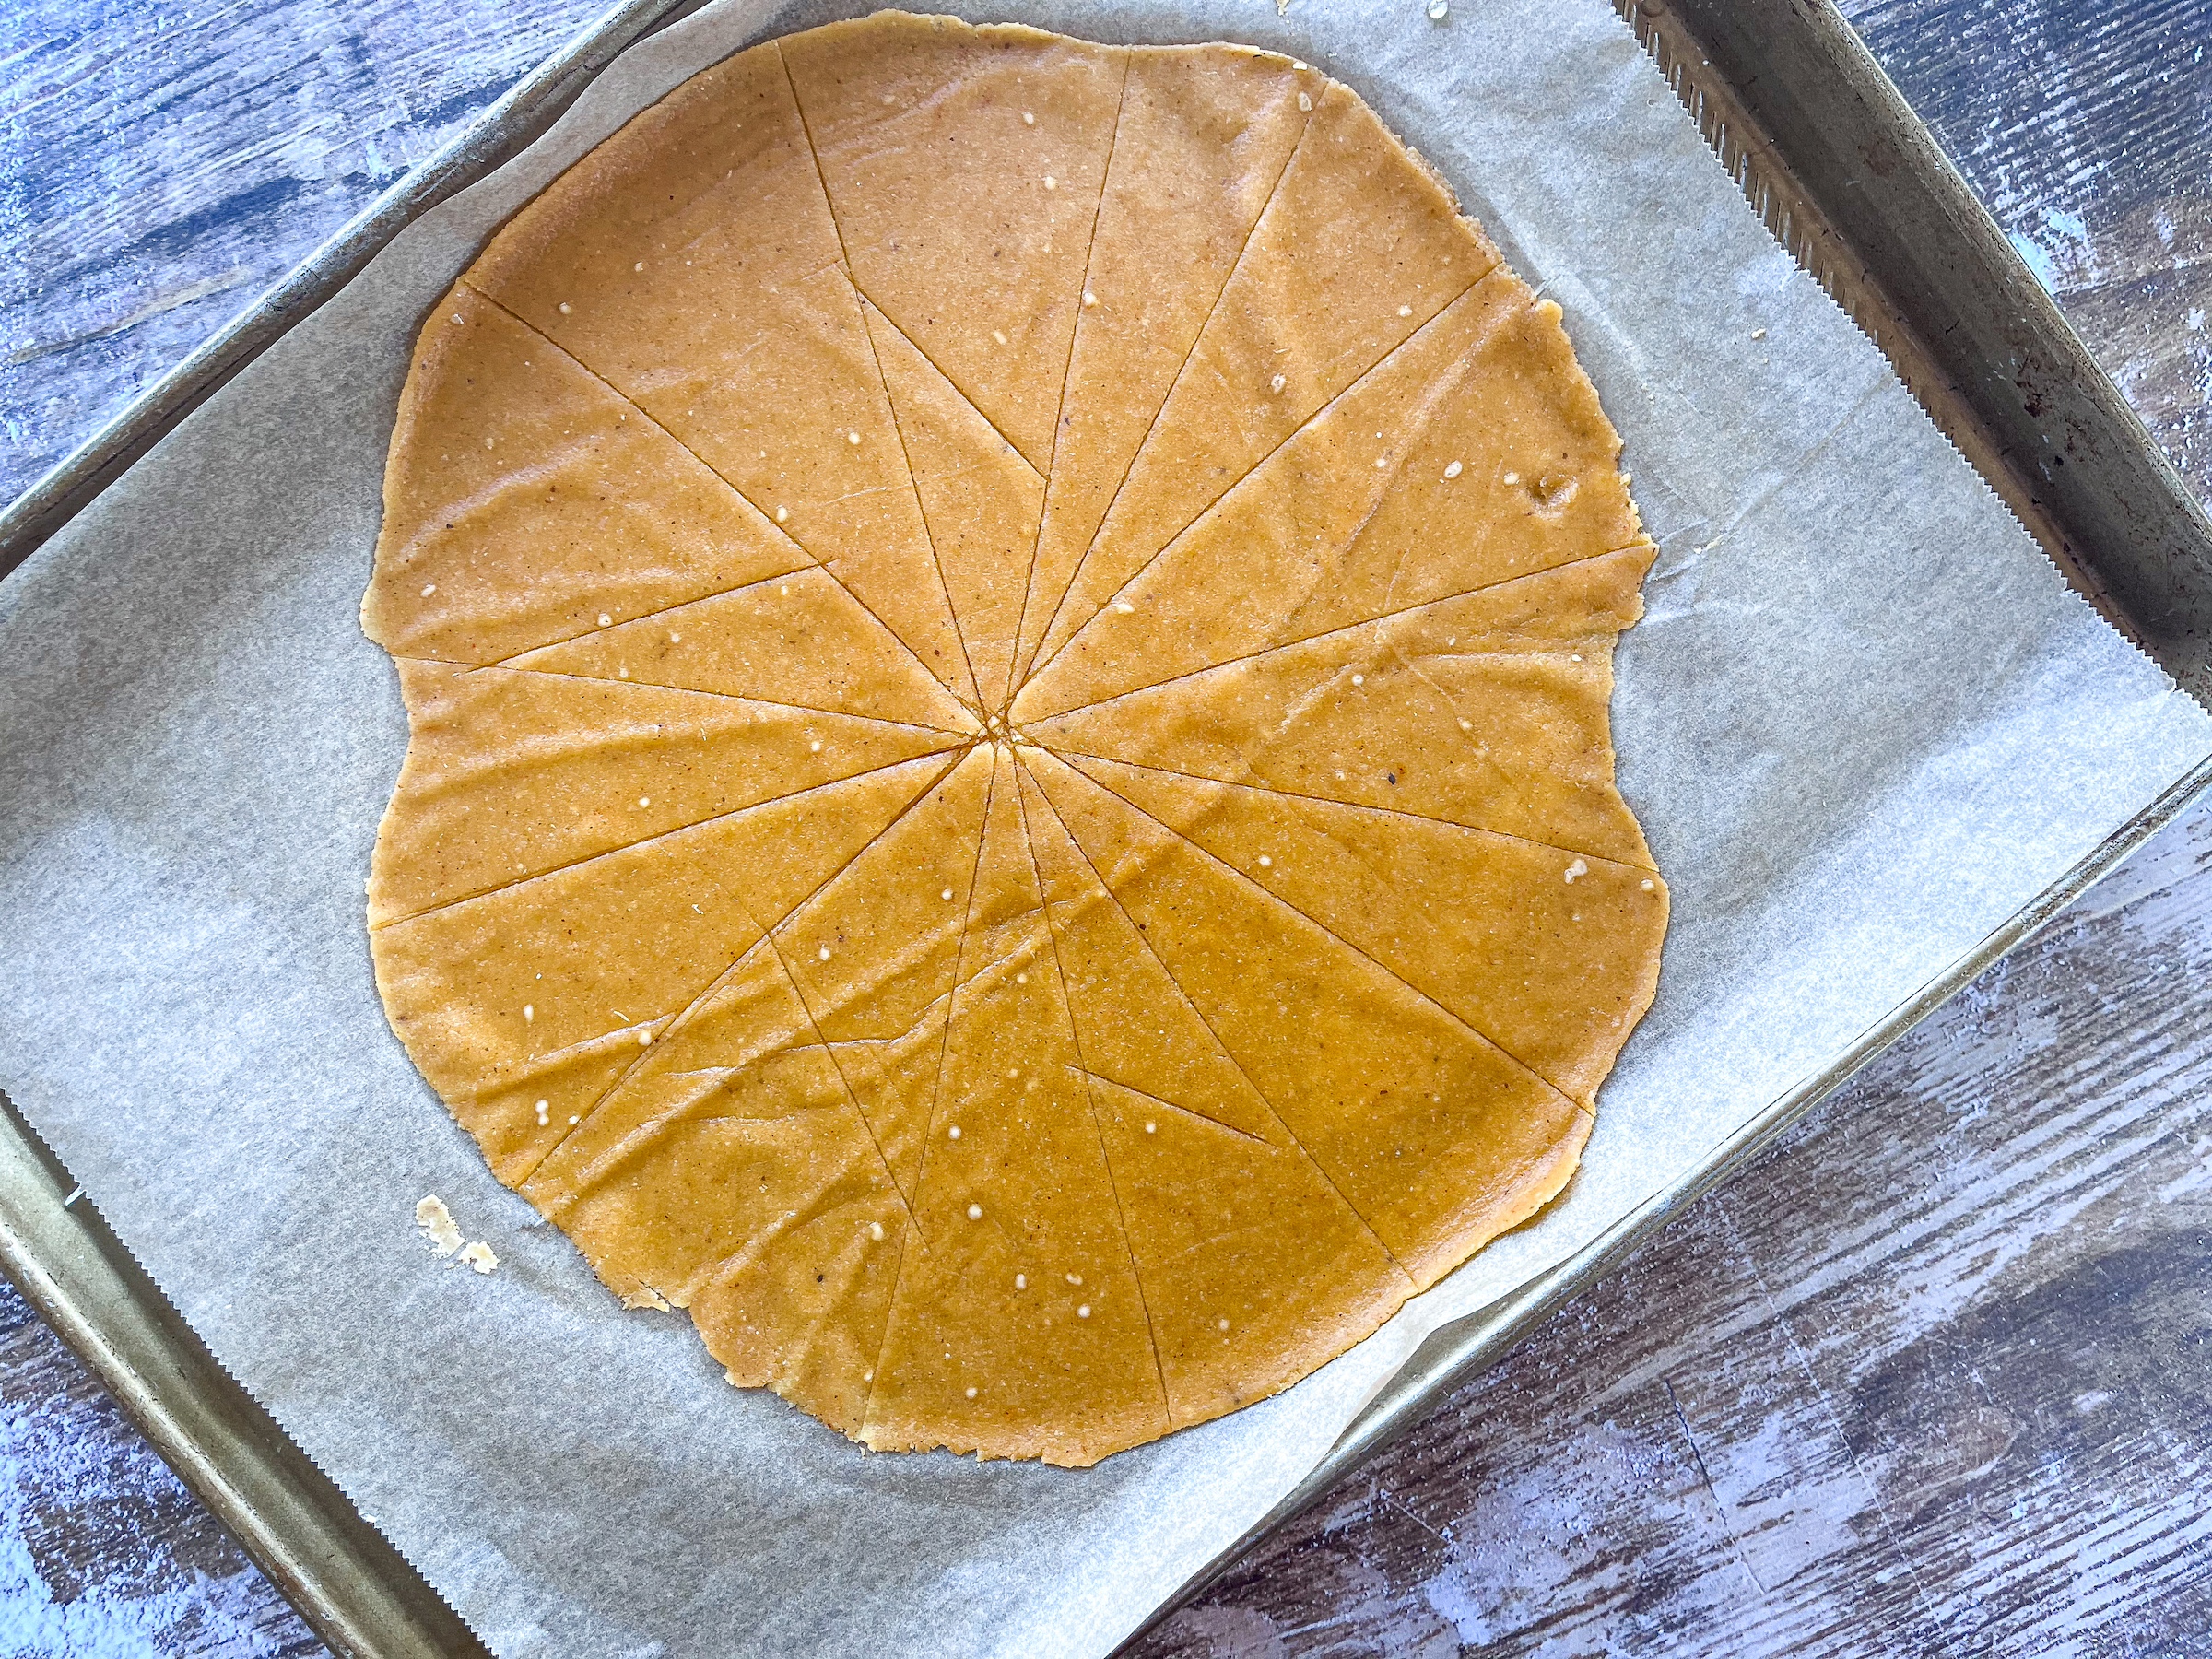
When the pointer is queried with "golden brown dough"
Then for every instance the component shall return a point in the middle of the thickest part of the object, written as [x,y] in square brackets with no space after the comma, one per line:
[1010,801]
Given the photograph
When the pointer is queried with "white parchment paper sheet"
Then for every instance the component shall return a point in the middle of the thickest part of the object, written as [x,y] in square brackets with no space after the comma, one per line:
[1863,722]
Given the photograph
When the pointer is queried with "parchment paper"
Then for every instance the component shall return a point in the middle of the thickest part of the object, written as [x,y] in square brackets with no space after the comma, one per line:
[1863,722]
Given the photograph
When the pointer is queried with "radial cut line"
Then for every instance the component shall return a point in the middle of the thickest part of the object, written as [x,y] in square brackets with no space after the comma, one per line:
[665,610]
[1113,1185]
[891,322]
[937,1092]
[1252,656]
[1454,1016]
[511,666]
[767,519]
[1298,794]
[1017,672]
[1372,368]
[646,841]
[851,1100]
[959,957]
[1228,1053]
[1169,1105]
[716,983]
[1027,669]
[906,457]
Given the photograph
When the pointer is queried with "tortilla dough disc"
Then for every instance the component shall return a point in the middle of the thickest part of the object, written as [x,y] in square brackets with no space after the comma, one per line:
[1010,799]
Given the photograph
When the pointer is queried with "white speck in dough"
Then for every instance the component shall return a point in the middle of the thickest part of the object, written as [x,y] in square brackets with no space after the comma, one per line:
[1577,868]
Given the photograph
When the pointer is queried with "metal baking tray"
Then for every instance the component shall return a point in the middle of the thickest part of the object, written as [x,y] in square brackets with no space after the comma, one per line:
[1846,177]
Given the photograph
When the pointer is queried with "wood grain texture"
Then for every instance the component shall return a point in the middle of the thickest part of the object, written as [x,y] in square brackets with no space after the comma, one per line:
[1932,1376]
[162,165]
[102,1551]
[2086,127]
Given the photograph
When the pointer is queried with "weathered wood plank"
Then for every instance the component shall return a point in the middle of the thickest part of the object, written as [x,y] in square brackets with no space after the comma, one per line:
[2086,127]
[161,166]
[102,1551]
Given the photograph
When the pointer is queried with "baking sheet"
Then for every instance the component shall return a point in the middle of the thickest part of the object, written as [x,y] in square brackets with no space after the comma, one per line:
[1863,722]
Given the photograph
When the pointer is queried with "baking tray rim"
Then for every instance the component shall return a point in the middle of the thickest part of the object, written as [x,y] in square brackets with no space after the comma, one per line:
[1438,1365]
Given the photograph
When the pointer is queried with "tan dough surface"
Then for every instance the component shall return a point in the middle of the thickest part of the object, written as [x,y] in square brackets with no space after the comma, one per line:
[1010,797]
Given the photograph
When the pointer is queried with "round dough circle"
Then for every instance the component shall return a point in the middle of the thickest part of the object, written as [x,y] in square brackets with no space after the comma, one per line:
[1010,797]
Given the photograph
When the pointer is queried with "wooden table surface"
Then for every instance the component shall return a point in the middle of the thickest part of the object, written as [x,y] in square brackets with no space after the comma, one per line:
[1935,1376]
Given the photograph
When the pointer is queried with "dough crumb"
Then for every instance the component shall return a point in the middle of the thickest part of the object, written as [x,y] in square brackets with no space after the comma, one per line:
[1090,297]
[438,1225]
[1758,333]
[478,1255]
